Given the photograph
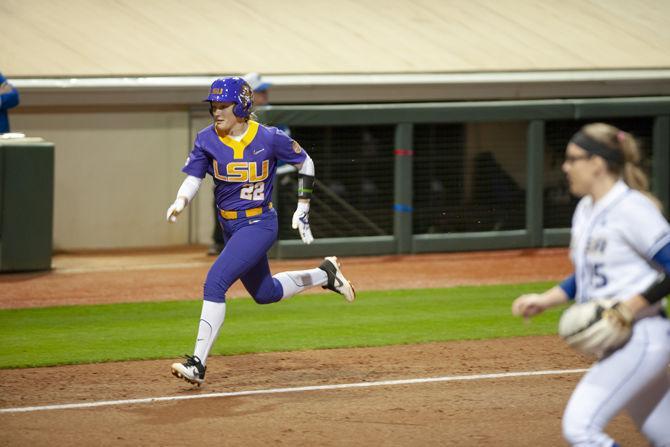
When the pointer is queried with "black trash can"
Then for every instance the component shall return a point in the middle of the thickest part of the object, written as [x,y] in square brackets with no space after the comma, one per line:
[26,204]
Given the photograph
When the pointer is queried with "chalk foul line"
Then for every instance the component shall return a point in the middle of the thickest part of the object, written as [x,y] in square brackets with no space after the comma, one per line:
[148,400]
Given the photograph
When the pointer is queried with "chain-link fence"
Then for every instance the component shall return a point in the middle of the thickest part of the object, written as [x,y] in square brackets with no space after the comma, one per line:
[469,177]
[354,191]
[453,176]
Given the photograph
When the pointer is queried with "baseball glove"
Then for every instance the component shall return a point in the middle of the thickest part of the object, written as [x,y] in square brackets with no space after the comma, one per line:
[596,328]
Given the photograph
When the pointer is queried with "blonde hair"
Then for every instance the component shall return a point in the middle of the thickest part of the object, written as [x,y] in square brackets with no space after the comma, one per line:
[620,141]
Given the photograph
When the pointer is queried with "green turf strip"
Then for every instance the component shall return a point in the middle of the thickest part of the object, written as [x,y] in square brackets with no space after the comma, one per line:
[89,334]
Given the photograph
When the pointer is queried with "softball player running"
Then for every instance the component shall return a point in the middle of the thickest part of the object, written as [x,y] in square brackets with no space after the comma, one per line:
[620,248]
[241,155]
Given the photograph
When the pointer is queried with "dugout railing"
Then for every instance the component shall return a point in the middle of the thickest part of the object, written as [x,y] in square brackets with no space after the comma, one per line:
[485,184]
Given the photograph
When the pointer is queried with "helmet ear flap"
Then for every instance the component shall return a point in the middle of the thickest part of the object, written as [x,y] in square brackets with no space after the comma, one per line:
[242,107]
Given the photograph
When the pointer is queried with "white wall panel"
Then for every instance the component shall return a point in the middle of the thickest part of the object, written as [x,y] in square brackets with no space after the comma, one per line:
[115,175]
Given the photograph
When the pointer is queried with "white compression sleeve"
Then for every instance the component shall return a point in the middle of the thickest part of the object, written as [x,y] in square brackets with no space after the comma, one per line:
[286,169]
[307,167]
[296,281]
[189,188]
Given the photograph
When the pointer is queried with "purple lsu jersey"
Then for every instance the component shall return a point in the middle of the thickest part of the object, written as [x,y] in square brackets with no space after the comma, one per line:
[243,171]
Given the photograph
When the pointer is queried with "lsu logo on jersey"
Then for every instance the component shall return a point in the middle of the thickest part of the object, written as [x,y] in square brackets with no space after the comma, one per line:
[243,171]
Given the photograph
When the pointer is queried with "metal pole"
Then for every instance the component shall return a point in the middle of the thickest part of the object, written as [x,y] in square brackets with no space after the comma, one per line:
[403,190]
[535,182]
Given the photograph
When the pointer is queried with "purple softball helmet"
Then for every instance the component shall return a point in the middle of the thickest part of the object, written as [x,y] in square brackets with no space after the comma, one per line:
[234,90]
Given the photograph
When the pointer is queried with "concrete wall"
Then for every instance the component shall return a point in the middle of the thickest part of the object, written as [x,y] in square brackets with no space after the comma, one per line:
[115,175]
[202,209]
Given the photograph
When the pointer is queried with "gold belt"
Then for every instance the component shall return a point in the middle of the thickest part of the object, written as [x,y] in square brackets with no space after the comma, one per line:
[241,214]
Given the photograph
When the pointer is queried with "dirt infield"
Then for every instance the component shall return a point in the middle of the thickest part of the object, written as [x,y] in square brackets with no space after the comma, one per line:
[519,410]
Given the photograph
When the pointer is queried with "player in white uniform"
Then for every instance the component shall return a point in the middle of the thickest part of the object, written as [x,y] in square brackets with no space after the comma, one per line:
[620,248]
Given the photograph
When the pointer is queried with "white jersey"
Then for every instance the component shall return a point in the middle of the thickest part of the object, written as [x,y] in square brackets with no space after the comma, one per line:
[612,243]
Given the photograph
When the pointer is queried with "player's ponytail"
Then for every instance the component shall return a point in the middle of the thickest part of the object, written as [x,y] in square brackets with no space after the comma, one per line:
[623,142]
[632,173]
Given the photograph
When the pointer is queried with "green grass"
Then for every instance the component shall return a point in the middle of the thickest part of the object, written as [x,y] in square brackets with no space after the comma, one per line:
[89,334]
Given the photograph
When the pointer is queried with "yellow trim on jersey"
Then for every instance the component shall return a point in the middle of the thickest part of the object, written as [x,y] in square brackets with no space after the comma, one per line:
[239,146]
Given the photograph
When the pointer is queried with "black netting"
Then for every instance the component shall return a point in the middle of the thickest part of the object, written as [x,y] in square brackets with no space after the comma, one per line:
[559,204]
[468,177]
[354,191]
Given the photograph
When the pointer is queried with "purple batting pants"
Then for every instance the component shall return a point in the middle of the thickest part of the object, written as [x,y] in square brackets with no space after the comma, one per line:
[245,257]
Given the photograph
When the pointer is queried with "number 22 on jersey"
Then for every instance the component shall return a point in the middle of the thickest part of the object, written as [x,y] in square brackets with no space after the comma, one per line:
[253,191]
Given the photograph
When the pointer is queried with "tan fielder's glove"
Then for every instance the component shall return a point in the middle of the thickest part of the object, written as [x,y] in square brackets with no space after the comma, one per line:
[596,328]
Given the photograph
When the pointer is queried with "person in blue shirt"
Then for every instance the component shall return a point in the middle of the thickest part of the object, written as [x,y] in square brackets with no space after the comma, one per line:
[9,97]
